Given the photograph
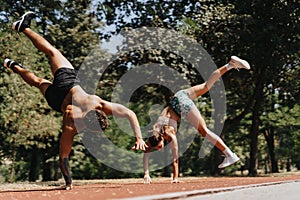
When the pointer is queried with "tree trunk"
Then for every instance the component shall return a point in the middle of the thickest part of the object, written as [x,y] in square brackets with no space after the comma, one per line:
[34,165]
[254,144]
[14,153]
[269,136]
[258,102]
[47,170]
[288,165]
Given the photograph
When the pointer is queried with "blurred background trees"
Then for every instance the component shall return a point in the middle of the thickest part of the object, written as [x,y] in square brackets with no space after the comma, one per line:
[262,122]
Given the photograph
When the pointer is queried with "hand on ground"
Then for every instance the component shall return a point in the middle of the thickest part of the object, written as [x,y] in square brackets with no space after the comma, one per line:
[175,181]
[147,179]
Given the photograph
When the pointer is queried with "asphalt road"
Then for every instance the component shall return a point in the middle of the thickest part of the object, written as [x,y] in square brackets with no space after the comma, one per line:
[285,190]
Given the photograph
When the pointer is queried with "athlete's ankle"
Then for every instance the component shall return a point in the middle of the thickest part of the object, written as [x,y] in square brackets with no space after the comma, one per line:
[227,152]
[14,66]
[228,66]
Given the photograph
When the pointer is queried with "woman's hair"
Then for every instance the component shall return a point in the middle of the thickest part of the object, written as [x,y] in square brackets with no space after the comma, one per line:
[96,119]
[155,135]
[158,133]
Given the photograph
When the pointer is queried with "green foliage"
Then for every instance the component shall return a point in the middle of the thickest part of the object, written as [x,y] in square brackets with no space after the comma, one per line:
[73,31]
[286,123]
[23,121]
[263,103]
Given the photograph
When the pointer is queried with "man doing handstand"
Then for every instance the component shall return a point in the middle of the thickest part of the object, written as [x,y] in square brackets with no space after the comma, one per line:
[65,95]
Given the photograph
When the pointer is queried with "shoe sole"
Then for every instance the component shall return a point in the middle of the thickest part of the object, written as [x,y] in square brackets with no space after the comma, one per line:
[21,20]
[244,63]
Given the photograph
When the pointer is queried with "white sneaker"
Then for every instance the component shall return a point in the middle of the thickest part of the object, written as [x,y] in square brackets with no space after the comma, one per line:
[229,161]
[237,63]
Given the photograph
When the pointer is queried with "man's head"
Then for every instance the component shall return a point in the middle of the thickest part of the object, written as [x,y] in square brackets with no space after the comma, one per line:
[96,119]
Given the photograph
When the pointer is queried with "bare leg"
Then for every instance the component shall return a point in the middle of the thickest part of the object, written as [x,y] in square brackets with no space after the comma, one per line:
[201,89]
[198,122]
[195,117]
[57,60]
[31,79]
[234,63]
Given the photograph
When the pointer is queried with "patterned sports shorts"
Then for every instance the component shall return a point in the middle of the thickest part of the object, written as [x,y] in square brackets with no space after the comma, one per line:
[181,103]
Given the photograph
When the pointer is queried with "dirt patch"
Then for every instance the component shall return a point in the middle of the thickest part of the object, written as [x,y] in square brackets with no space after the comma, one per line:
[126,188]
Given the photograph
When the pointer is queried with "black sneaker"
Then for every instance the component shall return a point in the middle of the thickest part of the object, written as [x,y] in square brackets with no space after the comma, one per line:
[23,22]
[11,64]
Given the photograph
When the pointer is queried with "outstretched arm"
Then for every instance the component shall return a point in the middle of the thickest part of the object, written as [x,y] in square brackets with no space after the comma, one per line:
[174,149]
[147,178]
[119,110]
[66,142]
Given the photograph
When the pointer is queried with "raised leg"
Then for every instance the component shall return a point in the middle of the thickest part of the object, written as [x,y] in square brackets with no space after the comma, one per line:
[57,60]
[29,77]
[234,63]
[199,90]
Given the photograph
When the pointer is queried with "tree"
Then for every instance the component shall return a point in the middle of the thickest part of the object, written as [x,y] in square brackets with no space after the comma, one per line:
[271,47]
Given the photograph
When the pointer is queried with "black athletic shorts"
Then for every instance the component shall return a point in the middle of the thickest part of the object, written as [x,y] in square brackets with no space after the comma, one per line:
[64,80]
